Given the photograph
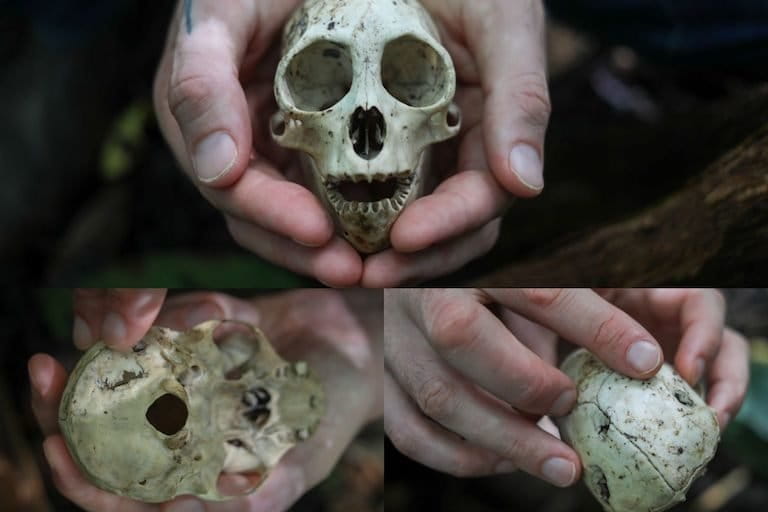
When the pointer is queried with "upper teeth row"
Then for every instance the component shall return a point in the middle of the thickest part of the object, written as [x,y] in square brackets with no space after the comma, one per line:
[369,178]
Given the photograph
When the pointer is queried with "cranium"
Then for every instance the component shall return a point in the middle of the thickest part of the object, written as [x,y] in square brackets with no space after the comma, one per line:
[641,442]
[364,88]
[170,417]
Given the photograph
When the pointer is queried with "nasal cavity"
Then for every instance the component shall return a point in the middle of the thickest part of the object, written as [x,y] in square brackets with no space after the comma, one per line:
[367,131]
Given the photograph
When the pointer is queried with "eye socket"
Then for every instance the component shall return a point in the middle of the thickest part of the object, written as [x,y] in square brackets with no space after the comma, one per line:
[319,76]
[414,72]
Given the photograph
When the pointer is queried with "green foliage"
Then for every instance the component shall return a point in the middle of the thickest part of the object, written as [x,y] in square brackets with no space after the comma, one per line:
[125,138]
[171,270]
[182,270]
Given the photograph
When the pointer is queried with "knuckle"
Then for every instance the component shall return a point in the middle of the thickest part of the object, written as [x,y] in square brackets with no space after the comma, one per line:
[436,399]
[452,320]
[532,390]
[514,449]
[610,334]
[191,96]
[545,297]
[531,96]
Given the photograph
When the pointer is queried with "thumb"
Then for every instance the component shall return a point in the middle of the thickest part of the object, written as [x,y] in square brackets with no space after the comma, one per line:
[204,93]
[509,46]
[118,317]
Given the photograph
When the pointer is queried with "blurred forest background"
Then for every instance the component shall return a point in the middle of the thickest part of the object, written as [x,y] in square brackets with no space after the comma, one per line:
[33,321]
[735,481]
[92,195]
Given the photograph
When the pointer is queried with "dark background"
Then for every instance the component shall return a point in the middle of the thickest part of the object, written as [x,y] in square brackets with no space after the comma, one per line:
[91,194]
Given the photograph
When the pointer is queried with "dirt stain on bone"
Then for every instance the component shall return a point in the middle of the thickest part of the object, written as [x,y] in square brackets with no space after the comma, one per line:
[124,379]
[602,483]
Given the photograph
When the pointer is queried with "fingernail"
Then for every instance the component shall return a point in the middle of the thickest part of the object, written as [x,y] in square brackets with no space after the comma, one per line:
[563,404]
[142,301]
[214,156]
[235,485]
[558,471]
[505,466]
[113,329]
[81,334]
[698,371]
[41,377]
[186,505]
[202,313]
[643,356]
[526,163]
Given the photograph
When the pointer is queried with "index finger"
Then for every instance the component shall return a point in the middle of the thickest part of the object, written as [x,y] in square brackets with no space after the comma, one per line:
[584,318]
[477,344]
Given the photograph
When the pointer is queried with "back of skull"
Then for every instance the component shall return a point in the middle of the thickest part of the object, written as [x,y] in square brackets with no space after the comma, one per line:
[364,89]
[180,410]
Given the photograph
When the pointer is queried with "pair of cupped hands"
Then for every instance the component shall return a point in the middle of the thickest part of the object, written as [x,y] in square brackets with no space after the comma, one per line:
[213,96]
[337,333]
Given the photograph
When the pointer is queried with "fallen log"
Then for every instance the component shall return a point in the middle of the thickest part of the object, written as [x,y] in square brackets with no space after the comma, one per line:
[713,231]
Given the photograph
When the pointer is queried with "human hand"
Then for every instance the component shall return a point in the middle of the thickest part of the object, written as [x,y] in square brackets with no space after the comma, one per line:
[118,317]
[498,49]
[321,327]
[465,388]
[213,97]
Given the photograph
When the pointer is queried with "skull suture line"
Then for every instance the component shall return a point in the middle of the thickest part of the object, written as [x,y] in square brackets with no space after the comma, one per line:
[170,417]
[364,89]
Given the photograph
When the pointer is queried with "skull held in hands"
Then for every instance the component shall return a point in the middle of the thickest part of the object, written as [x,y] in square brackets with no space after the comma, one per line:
[364,89]
[641,442]
[170,417]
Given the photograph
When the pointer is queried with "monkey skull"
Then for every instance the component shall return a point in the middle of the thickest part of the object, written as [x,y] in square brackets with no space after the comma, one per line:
[170,417]
[364,89]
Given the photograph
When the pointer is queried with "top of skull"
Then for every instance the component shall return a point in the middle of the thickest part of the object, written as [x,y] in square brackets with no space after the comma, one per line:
[169,417]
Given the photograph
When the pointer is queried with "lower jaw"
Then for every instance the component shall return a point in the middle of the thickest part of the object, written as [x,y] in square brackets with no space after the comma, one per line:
[367,225]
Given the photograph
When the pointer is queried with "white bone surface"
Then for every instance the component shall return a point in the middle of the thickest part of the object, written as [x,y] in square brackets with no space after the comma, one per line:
[364,88]
[103,413]
[641,442]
